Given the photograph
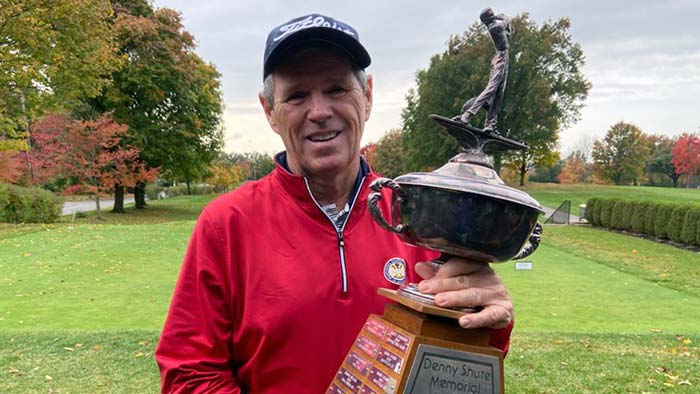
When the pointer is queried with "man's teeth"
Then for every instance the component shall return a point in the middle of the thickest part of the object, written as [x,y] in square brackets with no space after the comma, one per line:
[324,136]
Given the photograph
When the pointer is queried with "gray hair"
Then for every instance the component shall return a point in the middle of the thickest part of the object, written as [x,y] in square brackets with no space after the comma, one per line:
[269,85]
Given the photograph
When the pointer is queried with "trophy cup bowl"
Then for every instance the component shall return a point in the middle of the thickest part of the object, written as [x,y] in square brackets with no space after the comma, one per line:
[461,209]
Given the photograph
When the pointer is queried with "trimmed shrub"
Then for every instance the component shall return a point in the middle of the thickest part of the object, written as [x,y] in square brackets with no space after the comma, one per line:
[591,211]
[663,215]
[617,213]
[675,222]
[690,224]
[628,208]
[606,212]
[638,212]
[153,190]
[650,218]
[28,205]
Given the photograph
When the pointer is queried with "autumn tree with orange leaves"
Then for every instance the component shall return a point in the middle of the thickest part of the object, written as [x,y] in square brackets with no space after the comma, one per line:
[91,152]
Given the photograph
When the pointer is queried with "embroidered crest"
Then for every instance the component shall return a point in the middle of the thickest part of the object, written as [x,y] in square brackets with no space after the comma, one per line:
[395,270]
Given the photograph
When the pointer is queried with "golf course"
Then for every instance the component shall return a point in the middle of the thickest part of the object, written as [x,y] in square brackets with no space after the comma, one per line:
[82,303]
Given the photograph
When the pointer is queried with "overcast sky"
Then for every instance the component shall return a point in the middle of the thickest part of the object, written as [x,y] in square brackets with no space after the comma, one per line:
[642,57]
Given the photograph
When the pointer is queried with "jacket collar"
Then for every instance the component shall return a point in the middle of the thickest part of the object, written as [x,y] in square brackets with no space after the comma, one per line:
[295,187]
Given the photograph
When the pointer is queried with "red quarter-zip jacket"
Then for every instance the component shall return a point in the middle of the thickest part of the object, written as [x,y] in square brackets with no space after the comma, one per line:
[270,295]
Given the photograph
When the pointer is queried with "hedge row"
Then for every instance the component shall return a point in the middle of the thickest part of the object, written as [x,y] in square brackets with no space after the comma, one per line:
[677,222]
[28,205]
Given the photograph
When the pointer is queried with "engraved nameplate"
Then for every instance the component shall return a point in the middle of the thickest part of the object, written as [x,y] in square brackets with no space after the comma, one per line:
[439,370]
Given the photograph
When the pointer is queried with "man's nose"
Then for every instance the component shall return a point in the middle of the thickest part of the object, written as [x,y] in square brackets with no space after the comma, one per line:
[320,108]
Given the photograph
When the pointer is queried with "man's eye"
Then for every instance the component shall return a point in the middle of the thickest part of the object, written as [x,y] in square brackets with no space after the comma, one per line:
[295,97]
[337,90]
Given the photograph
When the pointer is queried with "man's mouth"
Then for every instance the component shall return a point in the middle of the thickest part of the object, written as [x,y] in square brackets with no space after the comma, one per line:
[323,136]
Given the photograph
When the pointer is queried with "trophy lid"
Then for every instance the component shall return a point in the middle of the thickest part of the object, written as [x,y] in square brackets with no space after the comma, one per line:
[471,171]
[469,178]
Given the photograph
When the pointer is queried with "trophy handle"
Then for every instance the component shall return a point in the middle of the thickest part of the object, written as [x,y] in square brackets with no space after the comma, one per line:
[374,198]
[532,243]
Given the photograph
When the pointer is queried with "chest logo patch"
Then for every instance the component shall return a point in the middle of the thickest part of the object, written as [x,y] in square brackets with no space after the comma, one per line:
[395,270]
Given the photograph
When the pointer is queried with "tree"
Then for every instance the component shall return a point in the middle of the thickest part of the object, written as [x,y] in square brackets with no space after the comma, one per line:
[547,173]
[170,98]
[660,159]
[545,92]
[10,171]
[621,156]
[686,155]
[53,54]
[368,151]
[222,176]
[575,169]
[254,165]
[388,156]
[91,153]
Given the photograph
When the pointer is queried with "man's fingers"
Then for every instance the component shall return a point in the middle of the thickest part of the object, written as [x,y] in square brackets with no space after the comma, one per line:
[436,285]
[471,297]
[494,316]
[425,270]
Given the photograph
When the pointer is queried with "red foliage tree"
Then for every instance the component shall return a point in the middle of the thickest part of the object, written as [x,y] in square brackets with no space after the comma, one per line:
[10,167]
[575,170]
[90,152]
[685,155]
[42,162]
[368,152]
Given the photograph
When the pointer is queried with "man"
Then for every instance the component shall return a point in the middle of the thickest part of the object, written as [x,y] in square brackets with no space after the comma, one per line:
[281,274]
[490,97]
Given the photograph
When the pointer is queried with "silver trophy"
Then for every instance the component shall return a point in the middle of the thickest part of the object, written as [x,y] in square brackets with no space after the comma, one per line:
[464,208]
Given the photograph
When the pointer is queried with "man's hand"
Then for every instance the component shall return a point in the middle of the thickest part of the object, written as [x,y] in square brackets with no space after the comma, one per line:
[463,283]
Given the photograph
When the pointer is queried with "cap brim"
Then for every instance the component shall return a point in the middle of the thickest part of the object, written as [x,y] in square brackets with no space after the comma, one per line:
[357,53]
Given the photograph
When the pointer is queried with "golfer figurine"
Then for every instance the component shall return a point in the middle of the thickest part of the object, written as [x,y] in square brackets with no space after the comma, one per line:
[490,97]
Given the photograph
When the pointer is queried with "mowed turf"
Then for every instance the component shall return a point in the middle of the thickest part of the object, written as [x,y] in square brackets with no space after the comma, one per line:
[82,308]
[553,194]
[568,291]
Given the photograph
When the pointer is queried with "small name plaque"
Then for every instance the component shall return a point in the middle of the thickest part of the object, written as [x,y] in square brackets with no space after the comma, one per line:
[439,370]
[523,265]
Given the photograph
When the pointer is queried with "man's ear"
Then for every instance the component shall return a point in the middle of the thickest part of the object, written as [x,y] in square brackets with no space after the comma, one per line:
[267,108]
[368,97]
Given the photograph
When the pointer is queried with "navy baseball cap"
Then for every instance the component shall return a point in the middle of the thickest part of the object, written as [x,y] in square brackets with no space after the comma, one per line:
[313,28]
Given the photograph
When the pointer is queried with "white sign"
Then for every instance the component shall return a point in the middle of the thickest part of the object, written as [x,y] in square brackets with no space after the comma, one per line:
[523,265]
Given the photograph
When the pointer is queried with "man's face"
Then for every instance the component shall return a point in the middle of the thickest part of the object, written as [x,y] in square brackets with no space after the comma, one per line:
[319,111]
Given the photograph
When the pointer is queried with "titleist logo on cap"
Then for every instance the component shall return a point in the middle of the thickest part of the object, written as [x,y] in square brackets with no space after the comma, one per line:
[310,21]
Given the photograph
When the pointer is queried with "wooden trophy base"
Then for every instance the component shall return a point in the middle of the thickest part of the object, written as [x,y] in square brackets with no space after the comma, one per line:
[416,348]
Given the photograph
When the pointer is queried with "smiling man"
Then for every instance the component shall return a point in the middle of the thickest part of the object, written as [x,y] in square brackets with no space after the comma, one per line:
[280,274]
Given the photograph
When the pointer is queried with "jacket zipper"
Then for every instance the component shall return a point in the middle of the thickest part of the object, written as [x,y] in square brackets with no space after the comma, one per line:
[339,233]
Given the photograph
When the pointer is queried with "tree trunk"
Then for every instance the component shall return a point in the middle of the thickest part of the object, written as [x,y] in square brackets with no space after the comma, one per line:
[498,163]
[118,199]
[97,205]
[523,168]
[522,176]
[188,186]
[140,195]
[675,181]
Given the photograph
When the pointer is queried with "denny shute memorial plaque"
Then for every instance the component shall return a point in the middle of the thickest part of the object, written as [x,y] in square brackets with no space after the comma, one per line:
[461,209]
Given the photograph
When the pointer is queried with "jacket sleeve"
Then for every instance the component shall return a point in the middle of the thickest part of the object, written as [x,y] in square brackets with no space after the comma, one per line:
[194,350]
[500,338]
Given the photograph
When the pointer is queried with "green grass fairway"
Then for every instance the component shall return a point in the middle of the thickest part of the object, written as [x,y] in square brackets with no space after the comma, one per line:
[82,304]
[553,194]
[567,293]
[602,363]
